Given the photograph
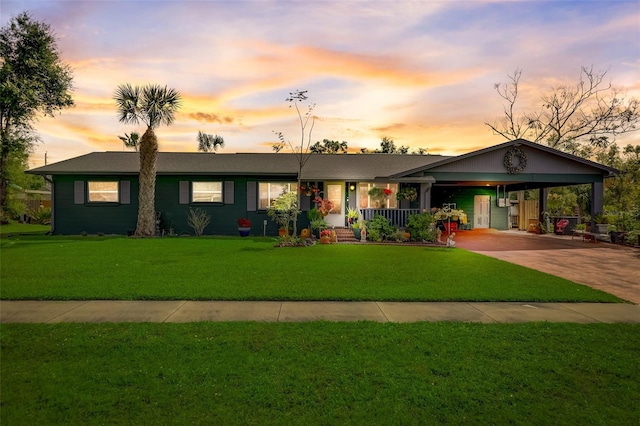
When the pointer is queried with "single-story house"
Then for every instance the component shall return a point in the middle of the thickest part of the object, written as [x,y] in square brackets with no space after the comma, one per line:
[98,192]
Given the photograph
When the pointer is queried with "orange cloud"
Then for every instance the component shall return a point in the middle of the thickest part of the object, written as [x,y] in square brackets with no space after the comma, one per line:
[211,118]
[303,61]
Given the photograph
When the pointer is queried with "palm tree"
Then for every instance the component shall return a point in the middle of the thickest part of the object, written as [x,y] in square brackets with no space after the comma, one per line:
[130,141]
[209,143]
[152,105]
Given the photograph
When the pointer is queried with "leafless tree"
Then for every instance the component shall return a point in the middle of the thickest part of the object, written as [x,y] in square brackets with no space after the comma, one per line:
[302,152]
[583,119]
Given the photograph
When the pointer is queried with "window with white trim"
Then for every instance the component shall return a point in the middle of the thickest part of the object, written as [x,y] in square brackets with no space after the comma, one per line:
[367,202]
[269,191]
[206,192]
[103,191]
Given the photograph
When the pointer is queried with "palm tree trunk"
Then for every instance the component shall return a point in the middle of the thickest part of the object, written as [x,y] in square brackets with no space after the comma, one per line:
[146,197]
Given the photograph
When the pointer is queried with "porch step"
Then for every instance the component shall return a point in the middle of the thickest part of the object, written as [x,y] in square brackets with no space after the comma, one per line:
[345,235]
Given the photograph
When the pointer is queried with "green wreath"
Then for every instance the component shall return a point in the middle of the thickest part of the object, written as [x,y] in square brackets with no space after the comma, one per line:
[508,160]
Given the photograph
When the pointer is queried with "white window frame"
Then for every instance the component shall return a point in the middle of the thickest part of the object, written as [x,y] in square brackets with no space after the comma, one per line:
[96,195]
[212,193]
[269,191]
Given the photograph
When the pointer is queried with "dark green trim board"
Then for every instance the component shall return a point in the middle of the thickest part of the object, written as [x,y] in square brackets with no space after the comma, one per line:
[522,178]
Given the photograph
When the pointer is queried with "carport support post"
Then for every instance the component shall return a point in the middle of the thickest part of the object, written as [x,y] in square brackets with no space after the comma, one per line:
[597,202]
[425,196]
[543,195]
[544,200]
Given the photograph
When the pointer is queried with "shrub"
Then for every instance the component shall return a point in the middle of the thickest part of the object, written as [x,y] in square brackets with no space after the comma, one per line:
[422,227]
[399,236]
[15,208]
[284,209]
[41,216]
[379,229]
[198,219]
[4,219]
[631,237]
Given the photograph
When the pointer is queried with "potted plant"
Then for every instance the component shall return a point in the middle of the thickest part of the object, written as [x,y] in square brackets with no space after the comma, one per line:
[283,210]
[580,227]
[308,189]
[617,237]
[352,216]
[325,236]
[318,225]
[601,223]
[377,195]
[407,193]
[357,230]
[316,221]
[244,226]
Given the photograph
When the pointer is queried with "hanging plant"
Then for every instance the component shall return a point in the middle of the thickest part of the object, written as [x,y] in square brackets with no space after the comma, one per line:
[408,193]
[515,152]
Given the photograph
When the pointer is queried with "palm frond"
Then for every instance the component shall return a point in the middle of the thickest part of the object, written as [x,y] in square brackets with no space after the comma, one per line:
[127,99]
[159,104]
[209,143]
[131,141]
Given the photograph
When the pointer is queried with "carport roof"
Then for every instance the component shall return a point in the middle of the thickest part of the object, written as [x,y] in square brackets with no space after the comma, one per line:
[606,170]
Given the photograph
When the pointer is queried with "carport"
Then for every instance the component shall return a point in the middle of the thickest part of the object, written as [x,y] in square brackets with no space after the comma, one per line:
[479,182]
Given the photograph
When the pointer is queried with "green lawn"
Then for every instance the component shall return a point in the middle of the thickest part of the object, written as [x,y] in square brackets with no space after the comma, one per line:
[320,373]
[304,373]
[16,228]
[49,267]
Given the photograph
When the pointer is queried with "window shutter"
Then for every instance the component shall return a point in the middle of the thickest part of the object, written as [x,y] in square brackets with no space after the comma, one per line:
[228,192]
[305,203]
[252,195]
[184,192]
[125,192]
[78,192]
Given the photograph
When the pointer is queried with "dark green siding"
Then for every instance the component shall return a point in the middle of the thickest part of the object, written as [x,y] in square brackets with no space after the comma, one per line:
[108,218]
[463,197]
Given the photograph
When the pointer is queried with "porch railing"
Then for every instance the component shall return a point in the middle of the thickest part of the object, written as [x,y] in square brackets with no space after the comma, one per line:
[397,217]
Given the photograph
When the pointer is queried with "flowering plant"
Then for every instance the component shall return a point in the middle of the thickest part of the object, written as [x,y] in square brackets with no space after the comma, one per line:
[446,213]
[387,192]
[323,205]
[325,233]
[243,222]
[308,188]
[378,195]
[408,193]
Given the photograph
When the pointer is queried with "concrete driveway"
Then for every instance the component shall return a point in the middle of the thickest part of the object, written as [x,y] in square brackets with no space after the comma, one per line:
[608,267]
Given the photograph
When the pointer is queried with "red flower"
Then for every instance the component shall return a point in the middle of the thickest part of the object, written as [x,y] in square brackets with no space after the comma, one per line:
[243,222]
[387,191]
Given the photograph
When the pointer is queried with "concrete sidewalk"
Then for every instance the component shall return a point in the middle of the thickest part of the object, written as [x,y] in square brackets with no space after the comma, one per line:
[197,311]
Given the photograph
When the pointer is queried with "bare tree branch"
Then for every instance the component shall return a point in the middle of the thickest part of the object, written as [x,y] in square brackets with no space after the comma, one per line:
[584,118]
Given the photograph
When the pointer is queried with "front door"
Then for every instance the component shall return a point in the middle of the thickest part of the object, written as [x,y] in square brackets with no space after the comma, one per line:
[334,192]
[481,211]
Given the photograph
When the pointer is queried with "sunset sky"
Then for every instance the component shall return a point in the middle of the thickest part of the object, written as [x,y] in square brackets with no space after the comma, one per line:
[419,72]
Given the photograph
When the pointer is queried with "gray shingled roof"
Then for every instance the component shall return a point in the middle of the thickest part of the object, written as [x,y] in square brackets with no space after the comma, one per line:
[355,167]
[517,142]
